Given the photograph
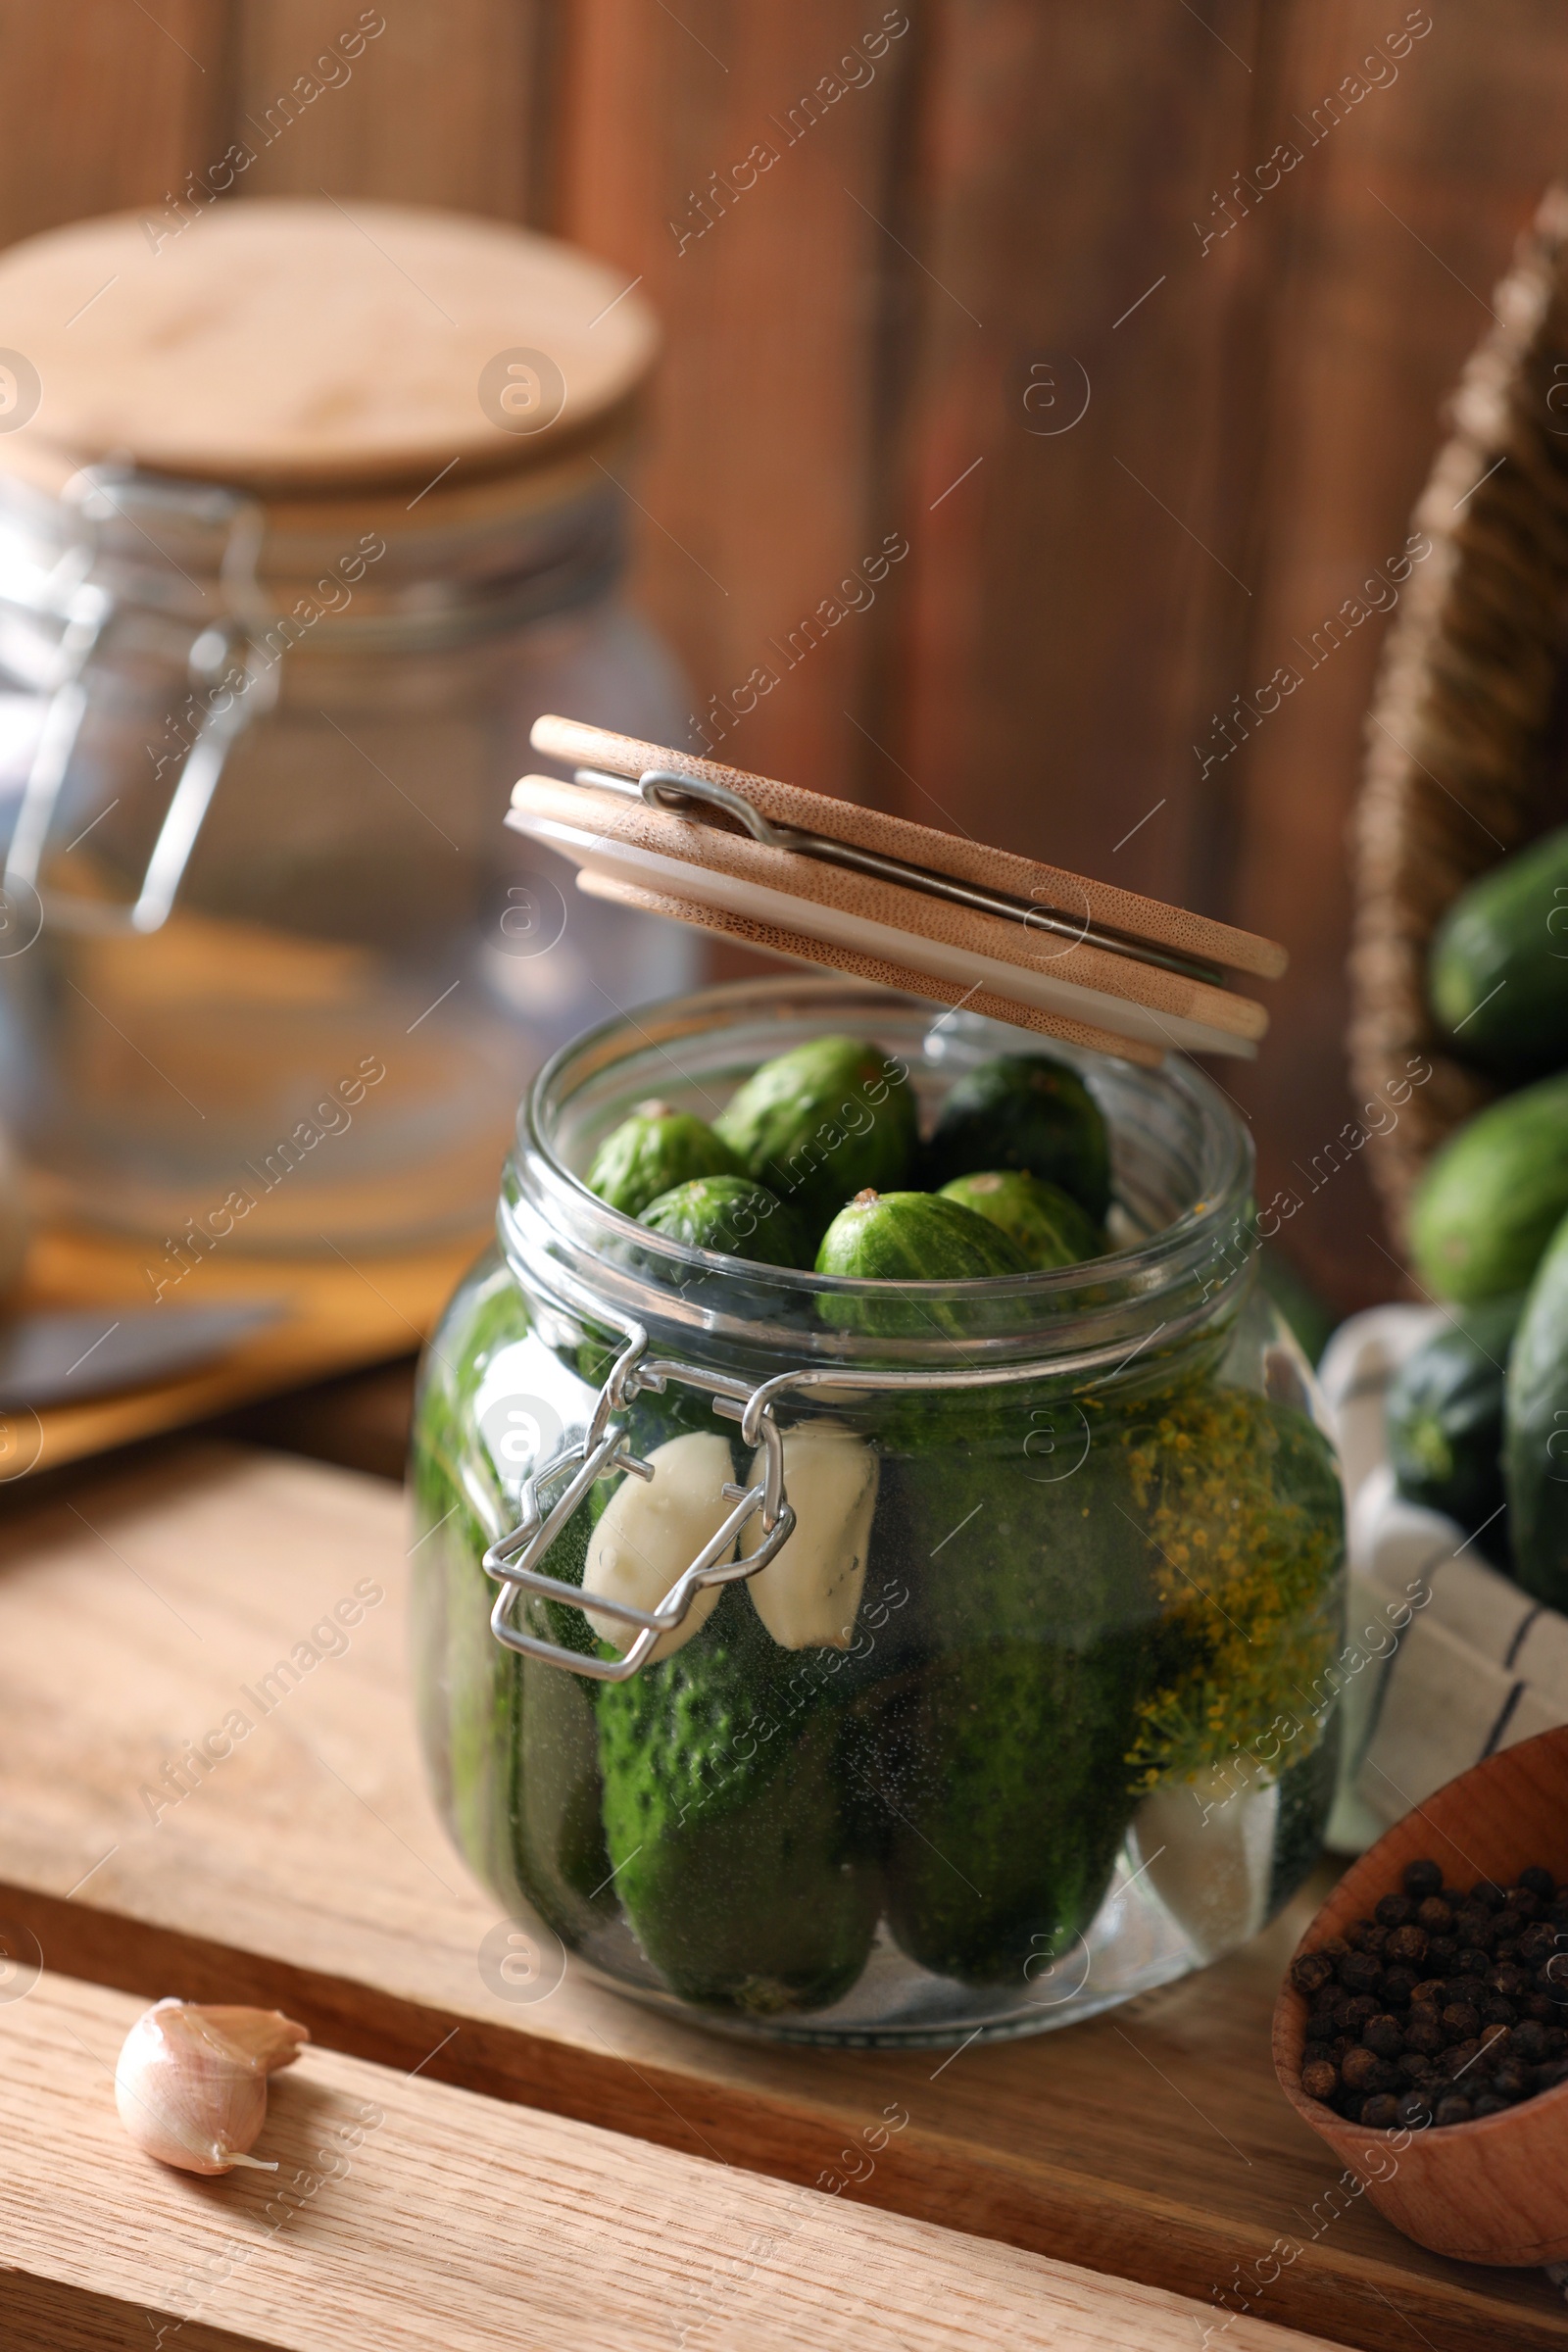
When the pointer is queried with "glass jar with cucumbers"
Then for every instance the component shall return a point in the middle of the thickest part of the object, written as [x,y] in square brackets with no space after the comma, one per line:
[878,1553]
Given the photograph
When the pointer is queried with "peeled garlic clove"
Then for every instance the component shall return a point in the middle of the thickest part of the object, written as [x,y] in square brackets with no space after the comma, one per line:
[652,1531]
[808,1594]
[191,2081]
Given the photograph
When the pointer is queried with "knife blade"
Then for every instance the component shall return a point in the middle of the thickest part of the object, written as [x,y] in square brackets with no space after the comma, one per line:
[68,1358]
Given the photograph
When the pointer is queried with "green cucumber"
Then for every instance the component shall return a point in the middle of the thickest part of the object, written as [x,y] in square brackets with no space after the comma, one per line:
[733,1215]
[819,1124]
[653,1150]
[1047,1223]
[1025,1110]
[1535,1457]
[731,1835]
[1491,1199]
[1498,971]
[1003,1770]
[1095,1631]
[1444,1416]
[511,1742]
[902,1239]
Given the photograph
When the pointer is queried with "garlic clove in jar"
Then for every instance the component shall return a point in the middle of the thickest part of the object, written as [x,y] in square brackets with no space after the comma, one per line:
[191,2081]
[807,1595]
[652,1531]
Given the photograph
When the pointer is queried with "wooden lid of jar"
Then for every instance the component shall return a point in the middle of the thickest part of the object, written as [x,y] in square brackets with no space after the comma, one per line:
[299,347]
[828,882]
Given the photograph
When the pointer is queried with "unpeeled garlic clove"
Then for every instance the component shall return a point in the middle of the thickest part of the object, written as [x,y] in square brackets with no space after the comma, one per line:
[652,1531]
[807,1595]
[191,2081]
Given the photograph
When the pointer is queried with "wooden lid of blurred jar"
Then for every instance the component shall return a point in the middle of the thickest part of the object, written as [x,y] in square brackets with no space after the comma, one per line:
[409,367]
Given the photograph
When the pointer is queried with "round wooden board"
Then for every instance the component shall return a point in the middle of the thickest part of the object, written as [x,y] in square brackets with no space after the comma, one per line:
[288,343]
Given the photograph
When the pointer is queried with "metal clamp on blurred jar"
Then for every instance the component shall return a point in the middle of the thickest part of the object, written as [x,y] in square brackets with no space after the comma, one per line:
[297,538]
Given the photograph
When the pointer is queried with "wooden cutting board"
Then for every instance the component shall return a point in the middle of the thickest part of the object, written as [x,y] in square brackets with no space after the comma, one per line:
[422,2216]
[338,1311]
[308,1869]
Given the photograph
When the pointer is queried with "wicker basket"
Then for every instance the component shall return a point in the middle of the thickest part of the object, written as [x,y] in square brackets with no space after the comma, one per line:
[1465,740]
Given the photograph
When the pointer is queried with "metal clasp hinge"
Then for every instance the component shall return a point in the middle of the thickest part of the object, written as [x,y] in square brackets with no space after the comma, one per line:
[600,1452]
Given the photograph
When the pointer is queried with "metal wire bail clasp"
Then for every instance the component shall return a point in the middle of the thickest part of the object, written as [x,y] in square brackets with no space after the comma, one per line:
[601,1452]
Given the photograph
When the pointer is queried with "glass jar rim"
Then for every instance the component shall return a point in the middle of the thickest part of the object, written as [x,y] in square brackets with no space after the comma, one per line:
[564,1241]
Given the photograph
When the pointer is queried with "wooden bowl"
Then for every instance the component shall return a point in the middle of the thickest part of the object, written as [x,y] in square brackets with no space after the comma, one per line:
[1494,2190]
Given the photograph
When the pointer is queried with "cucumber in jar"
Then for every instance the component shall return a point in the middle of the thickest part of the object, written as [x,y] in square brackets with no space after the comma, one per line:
[651,1152]
[1025,1110]
[1046,1223]
[819,1124]
[1002,1769]
[736,1845]
[512,1743]
[1103,1616]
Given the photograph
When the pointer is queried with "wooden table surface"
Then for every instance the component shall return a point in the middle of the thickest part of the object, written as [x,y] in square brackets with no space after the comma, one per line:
[308,1869]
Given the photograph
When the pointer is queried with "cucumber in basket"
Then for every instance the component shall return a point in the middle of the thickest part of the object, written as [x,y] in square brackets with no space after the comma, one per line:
[1492,1198]
[1444,1417]
[1536,1433]
[1498,975]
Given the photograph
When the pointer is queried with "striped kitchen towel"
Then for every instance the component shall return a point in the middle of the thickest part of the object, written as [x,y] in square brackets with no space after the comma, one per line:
[1445,1660]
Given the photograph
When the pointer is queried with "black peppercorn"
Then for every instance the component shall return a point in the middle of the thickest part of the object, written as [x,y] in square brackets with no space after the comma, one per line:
[1485,2027]
[1536,1945]
[1359,2068]
[1406,1947]
[1311,1971]
[1360,1972]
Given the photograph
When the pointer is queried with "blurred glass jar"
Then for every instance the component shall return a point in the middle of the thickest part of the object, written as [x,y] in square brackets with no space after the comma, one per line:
[273,971]
[1059,1722]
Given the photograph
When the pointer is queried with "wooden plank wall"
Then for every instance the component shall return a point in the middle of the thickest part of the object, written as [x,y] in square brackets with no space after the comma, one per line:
[1020,289]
